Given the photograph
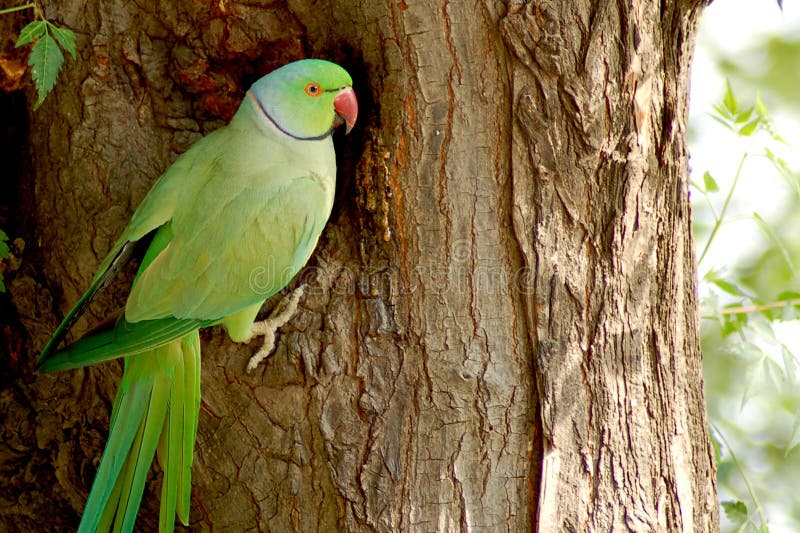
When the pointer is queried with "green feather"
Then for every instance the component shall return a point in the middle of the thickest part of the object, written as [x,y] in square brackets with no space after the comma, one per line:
[176,448]
[144,449]
[169,453]
[153,405]
[232,221]
[120,258]
[191,410]
[123,340]
[131,405]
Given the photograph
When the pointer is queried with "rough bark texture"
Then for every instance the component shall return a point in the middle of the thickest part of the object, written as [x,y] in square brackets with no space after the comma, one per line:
[501,330]
[601,106]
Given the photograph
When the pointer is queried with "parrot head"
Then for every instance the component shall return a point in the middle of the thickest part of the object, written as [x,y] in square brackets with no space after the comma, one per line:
[307,99]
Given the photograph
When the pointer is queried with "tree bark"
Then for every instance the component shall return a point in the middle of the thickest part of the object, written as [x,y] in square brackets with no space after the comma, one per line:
[501,331]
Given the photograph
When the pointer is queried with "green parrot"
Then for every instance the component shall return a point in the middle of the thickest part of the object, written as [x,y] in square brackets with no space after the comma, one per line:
[231,221]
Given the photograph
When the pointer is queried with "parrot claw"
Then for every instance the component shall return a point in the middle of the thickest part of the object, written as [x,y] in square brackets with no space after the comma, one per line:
[280,315]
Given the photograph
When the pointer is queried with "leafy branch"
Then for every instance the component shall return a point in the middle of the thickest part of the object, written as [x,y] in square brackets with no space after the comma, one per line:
[743,122]
[718,218]
[736,511]
[764,363]
[46,56]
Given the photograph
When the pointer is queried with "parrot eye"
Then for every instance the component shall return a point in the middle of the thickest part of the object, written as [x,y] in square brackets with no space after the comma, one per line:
[313,89]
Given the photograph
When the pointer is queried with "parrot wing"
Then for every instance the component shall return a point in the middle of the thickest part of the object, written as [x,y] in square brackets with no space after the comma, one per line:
[122,340]
[197,274]
[154,211]
[236,246]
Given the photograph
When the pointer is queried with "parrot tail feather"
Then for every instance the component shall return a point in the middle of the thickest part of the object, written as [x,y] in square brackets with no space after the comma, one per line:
[157,406]
[176,448]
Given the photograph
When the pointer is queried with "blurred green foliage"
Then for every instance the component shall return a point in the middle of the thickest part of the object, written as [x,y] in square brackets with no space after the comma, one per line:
[772,67]
[750,308]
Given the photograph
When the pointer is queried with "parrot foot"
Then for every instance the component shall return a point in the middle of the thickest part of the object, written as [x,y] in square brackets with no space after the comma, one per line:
[280,315]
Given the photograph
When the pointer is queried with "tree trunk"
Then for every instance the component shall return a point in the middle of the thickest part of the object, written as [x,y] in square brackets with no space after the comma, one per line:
[501,331]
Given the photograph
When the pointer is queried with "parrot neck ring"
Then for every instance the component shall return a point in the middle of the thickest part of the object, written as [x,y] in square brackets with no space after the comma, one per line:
[278,126]
[345,105]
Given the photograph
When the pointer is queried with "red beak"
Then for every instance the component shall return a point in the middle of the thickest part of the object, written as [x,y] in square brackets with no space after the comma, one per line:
[346,107]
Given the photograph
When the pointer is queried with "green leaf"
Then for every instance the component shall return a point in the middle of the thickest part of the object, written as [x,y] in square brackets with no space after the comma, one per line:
[765,330]
[772,132]
[31,32]
[65,37]
[774,372]
[722,114]
[729,100]
[761,109]
[744,116]
[3,245]
[783,169]
[733,322]
[45,61]
[781,165]
[752,375]
[763,114]
[782,296]
[722,120]
[770,233]
[2,283]
[746,351]
[788,296]
[709,183]
[748,129]
[735,511]
[727,286]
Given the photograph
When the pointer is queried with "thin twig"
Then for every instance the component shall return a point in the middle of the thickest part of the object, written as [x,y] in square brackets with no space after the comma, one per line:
[757,308]
[16,8]
[718,222]
[736,462]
